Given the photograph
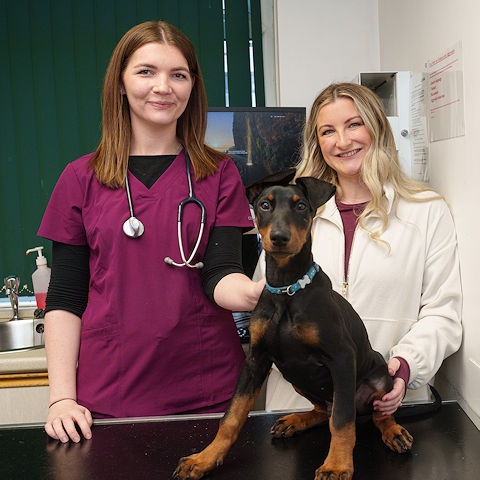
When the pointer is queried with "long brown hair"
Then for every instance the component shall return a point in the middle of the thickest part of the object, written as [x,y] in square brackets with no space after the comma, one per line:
[381,164]
[110,160]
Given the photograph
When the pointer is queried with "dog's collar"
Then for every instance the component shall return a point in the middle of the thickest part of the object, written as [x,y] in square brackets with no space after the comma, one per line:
[295,287]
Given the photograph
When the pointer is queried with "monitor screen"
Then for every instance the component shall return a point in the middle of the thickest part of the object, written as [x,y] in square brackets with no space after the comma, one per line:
[260,140]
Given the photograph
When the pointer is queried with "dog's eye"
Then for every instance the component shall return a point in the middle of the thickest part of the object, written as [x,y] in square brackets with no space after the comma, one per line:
[265,206]
[301,206]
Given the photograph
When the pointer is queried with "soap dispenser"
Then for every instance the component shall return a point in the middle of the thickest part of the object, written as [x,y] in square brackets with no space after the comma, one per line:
[40,278]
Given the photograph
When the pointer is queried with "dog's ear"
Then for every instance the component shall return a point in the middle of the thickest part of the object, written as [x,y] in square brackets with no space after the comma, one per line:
[284,177]
[318,191]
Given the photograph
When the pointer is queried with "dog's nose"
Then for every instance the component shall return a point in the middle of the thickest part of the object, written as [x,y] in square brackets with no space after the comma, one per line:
[279,237]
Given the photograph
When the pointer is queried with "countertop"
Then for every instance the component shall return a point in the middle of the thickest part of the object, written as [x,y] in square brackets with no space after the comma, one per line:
[446,447]
[23,361]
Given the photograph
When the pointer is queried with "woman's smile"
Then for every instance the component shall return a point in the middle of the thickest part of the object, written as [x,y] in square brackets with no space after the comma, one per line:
[349,154]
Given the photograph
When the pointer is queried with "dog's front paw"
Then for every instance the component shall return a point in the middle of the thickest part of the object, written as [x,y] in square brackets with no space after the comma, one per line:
[326,473]
[193,467]
[397,439]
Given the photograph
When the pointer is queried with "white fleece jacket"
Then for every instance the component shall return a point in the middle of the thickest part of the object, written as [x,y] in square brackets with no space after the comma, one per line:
[410,298]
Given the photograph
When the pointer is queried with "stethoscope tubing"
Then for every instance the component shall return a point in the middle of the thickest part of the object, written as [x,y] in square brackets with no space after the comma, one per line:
[190,199]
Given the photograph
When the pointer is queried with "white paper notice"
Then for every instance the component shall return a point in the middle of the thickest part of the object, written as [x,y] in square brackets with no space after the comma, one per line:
[445,83]
[418,128]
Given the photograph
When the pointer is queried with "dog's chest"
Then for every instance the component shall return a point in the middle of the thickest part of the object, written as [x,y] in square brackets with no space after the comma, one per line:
[293,319]
[294,349]
[290,337]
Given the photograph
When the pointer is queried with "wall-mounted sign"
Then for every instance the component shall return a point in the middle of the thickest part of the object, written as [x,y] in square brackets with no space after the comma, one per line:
[445,86]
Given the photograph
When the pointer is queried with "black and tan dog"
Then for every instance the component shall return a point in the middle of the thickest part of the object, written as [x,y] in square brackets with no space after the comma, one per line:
[312,334]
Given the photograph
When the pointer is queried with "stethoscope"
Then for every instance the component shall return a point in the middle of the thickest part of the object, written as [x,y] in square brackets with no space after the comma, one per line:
[134,228]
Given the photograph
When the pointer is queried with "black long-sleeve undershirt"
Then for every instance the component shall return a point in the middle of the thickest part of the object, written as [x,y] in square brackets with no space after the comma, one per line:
[70,277]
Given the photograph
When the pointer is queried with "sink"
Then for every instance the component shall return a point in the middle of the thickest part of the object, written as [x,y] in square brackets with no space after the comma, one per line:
[25,333]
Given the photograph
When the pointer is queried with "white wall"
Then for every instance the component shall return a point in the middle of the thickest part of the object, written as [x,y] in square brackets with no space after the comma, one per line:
[320,41]
[412,32]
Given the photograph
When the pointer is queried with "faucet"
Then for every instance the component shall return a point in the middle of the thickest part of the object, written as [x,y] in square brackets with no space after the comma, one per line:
[12,287]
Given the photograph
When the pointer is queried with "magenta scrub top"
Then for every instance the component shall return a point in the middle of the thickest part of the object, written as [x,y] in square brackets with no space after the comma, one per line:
[151,342]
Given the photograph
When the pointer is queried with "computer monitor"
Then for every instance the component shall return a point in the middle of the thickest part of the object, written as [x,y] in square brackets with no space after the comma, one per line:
[260,140]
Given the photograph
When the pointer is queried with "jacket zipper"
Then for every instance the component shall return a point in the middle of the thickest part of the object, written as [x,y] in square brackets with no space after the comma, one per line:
[345,283]
[345,274]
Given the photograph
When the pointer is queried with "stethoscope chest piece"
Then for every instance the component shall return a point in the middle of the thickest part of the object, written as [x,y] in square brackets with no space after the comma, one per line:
[133,227]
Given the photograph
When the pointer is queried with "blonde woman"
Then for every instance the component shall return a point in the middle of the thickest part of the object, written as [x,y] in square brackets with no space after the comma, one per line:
[387,243]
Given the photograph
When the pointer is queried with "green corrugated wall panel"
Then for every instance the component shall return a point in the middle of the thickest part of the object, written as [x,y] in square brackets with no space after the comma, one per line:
[197,19]
[258,52]
[236,26]
[237,34]
[53,55]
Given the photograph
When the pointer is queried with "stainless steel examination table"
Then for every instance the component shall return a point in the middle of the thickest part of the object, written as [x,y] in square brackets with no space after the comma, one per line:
[446,446]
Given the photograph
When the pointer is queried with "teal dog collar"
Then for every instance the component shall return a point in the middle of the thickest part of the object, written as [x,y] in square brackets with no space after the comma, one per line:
[295,287]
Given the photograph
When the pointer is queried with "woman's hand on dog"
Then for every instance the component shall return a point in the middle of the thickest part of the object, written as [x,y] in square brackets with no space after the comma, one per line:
[390,402]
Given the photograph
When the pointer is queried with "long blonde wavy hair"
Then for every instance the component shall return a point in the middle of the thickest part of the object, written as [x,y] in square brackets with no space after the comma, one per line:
[381,164]
[110,160]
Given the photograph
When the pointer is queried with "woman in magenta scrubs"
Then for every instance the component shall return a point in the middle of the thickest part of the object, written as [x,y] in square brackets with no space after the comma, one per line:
[127,333]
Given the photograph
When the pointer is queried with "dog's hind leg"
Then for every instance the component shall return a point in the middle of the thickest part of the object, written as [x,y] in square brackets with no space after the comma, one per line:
[293,423]
[394,436]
